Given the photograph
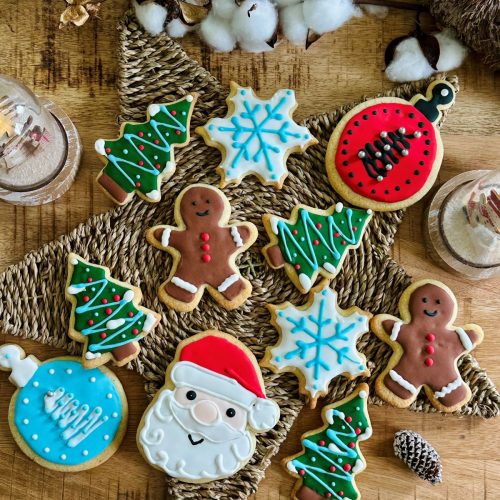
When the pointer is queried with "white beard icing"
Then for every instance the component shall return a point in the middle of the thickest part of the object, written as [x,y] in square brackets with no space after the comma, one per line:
[165,443]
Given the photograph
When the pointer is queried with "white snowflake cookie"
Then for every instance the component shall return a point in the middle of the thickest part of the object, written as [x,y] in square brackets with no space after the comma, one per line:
[317,342]
[257,136]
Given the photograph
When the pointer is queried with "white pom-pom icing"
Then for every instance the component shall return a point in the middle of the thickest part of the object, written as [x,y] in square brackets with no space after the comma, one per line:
[293,24]
[263,415]
[363,394]
[99,147]
[322,16]
[254,26]
[74,261]
[217,33]
[151,16]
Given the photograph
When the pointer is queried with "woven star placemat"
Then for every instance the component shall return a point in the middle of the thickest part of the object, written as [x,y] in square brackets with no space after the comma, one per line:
[32,302]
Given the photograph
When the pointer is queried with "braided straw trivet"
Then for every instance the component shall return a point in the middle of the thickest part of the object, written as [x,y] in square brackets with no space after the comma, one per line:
[32,302]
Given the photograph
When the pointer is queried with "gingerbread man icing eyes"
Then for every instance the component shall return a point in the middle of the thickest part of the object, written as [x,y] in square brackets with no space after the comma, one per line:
[427,347]
[204,247]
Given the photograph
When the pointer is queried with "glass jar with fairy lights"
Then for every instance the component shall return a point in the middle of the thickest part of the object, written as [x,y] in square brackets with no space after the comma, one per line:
[39,146]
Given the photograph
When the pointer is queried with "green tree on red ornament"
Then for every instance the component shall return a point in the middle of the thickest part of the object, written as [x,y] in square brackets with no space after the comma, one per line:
[143,154]
[331,457]
[106,314]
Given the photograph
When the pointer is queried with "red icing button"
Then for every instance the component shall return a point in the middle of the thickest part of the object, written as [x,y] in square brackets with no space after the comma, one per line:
[116,298]
[430,337]
[343,242]
[130,314]
[332,468]
[174,112]
[140,134]
[341,493]
[318,225]
[158,166]
[328,494]
[354,228]
[140,163]
[429,361]
[178,132]
[90,322]
[89,280]
[104,301]
[294,232]
[347,467]
[316,242]
[321,442]
[135,331]
[103,335]
[336,235]
[205,247]
[108,150]
[156,141]
[357,431]
[301,472]
[138,184]
[86,298]
[297,266]
[108,310]
[348,420]
[429,349]
[351,445]
[204,236]
[206,258]
[141,147]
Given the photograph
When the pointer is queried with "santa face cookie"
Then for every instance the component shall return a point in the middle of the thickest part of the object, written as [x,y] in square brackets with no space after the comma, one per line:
[106,316]
[63,416]
[427,347]
[317,342]
[256,137]
[204,247]
[330,457]
[143,156]
[385,153]
[201,425]
[313,242]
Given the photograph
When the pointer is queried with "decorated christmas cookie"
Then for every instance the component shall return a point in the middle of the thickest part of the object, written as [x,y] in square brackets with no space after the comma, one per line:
[427,347]
[313,242]
[143,156]
[256,137]
[385,154]
[63,416]
[201,425]
[317,342]
[204,247]
[106,315]
[330,457]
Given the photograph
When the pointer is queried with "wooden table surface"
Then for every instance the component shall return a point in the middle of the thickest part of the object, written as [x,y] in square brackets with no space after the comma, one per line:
[78,69]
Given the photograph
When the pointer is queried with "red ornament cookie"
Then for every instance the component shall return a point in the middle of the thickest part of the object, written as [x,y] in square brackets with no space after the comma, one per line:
[427,347]
[385,154]
[204,247]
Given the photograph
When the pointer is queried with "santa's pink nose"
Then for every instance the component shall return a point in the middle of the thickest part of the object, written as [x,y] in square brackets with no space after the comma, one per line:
[206,412]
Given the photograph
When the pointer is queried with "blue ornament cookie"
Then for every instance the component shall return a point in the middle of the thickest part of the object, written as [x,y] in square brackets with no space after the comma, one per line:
[63,416]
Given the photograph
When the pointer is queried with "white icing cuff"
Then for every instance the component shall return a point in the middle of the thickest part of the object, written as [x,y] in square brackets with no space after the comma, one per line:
[113,324]
[128,296]
[149,323]
[329,416]
[236,237]
[74,261]
[395,329]
[99,147]
[153,109]
[329,268]
[402,382]
[165,237]
[73,290]
[358,466]
[366,435]
[189,98]
[169,167]
[230,280]
[447,389]
[291,467]
[305,282]
[273,222]
[154,195]
[185,285]
[464,338]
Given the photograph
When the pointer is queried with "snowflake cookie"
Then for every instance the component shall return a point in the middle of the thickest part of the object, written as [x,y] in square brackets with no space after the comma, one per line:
[257,136]
[313,242]
[317,342]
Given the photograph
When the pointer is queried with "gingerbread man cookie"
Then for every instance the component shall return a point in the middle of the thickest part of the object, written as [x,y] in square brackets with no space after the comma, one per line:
[204,247]
[427,347]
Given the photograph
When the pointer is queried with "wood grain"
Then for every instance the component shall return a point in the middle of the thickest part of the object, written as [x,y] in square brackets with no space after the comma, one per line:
[78,69]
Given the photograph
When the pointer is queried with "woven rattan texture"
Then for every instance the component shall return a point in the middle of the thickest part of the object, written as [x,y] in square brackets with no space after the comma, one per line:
[32,300]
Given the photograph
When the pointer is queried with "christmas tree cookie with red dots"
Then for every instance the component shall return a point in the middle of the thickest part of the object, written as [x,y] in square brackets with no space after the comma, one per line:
[106,315]
[313,242]
[204,247]
[385,153]
[427,347]
[330,457]
[143,156]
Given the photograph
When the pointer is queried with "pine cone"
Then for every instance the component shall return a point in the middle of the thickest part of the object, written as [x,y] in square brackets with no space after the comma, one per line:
[418,455]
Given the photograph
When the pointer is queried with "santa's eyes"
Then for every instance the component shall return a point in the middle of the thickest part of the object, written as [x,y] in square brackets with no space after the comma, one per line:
[230,412]
[191,395]
[425,300]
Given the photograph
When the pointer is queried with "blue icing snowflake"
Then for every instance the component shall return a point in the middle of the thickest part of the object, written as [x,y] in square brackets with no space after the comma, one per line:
[320,340]
[257,136]
[66,414]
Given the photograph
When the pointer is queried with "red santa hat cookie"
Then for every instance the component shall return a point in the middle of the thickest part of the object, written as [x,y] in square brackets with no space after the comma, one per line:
[201,425]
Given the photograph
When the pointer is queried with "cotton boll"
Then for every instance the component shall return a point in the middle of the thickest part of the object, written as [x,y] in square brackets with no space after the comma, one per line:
[376,10]
[286,3]
[223,8]
[322,16]
[177,29]
[293,24]
[452,52]
[217,33]
[151,16]
[253,26]
[408,63]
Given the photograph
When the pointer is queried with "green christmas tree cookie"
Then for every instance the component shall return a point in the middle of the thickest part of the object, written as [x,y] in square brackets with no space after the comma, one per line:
[106,315]
[330,457]
[142,157]
[313,241]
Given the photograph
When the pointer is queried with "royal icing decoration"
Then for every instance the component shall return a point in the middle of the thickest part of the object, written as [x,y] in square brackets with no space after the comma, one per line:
[427,347]
[313,242]
[142,157]
[256,136]
[64,416]
[204,247]
[385,154]
[105,315]
[319,340]
[201,425]
[330,457]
